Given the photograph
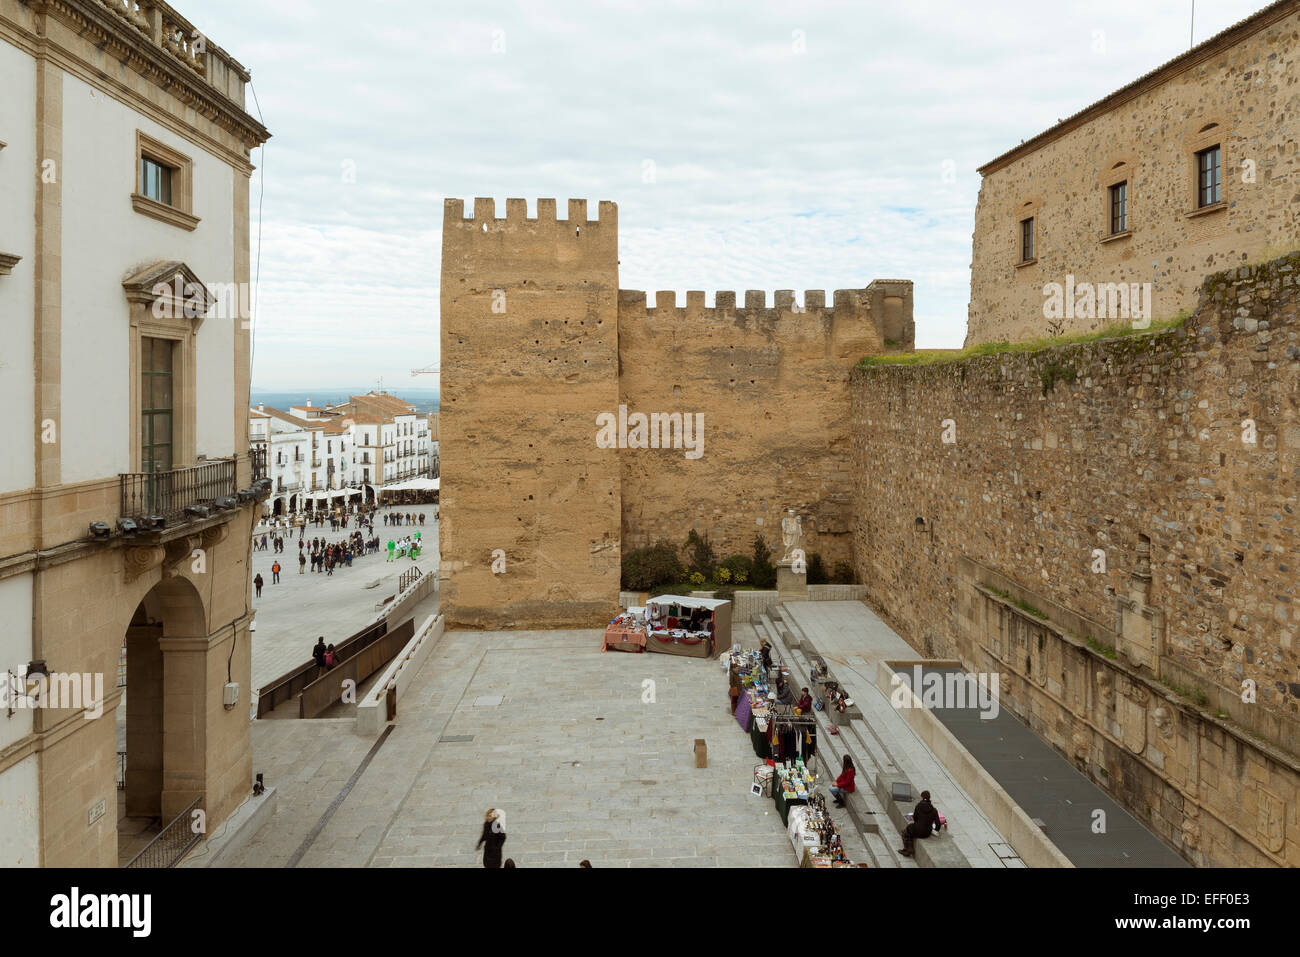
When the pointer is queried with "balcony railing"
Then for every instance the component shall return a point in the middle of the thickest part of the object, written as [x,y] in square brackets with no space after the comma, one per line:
[257,460]
[168,493]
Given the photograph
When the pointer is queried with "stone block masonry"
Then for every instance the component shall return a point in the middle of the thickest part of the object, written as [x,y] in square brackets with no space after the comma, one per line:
[1111,526]
[538,342]
[1237,92]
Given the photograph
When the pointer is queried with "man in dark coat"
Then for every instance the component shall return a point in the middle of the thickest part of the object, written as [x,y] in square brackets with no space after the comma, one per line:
[925,819]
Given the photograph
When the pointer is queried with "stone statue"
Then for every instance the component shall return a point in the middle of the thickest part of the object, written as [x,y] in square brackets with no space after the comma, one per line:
[791,533]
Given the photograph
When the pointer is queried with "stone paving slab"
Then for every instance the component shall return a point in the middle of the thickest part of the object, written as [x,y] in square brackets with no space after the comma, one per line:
[586,759]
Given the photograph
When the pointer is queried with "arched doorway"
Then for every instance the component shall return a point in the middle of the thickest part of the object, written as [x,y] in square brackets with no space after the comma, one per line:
[277,507]
[159,717]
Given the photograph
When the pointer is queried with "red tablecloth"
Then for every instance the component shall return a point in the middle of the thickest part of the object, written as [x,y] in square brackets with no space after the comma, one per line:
[623,636]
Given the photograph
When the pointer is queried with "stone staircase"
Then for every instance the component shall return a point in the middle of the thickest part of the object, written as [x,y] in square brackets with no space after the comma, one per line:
[873,816]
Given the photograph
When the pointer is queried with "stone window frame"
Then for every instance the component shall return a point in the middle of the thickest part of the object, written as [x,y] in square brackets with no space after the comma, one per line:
[1119,169]
[173,324]
[1028,209]
[1208,132]
[180,212]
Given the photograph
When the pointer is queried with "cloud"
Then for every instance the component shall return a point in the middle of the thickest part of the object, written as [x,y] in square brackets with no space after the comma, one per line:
[799,147]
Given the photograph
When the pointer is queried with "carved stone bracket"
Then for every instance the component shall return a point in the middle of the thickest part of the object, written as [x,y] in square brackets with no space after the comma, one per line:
[140,559]
[179,549]
[215,535]
[8,260]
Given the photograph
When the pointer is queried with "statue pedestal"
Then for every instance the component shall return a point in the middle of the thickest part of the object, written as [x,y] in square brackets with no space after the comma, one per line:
[791,585]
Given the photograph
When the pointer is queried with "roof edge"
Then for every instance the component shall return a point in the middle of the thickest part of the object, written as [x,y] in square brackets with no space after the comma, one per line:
[1162,74]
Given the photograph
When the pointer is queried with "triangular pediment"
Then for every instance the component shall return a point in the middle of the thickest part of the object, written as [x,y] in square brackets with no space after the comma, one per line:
[172,288]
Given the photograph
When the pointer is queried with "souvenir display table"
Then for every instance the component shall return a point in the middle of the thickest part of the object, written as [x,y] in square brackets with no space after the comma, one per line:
[792,785]
[815,836]
[676,641]
[627,632]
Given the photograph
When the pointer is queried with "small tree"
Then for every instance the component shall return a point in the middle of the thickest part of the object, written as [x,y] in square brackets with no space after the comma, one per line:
[700,549]
[763,572]
[816,569]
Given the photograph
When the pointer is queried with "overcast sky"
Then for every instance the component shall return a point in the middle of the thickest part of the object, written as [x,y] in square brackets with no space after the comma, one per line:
[748,145]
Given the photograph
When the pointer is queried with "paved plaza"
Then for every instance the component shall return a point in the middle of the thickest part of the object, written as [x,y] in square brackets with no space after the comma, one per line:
[292,614]
[587,760]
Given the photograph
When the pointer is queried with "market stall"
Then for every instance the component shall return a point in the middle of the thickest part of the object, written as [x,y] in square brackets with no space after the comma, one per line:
[627,632]
[695,627]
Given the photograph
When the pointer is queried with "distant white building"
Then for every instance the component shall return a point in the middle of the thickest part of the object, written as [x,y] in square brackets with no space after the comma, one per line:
[336,454]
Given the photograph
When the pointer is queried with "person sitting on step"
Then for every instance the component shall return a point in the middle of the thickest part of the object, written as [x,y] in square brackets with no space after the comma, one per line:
[844,783]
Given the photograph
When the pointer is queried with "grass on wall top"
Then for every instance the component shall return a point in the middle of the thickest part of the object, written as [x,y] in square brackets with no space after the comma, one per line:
[940,356]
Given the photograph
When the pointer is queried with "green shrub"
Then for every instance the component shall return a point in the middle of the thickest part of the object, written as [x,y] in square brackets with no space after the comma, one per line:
[762,571]
[702,559]
[843,574]
[740,567]
[647,568]
[697,579]
[817,570]
[722,575]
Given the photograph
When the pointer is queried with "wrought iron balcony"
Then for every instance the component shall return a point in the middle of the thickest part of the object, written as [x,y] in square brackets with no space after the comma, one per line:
[257,460]
[167,494]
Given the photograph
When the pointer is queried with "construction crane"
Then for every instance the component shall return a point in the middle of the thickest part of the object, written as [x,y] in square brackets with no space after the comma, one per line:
[434,369]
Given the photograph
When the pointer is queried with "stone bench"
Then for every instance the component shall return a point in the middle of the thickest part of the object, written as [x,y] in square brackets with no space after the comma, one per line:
[937,850]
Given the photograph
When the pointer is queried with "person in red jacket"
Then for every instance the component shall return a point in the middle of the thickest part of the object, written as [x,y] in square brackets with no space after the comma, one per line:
[844,783]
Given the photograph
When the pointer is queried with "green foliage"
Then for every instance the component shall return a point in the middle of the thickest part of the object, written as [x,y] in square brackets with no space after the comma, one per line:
[1056,372]
[843,574]
[698,579]
[762,571]
[647,568]
[940,356]
[740,567]
[1105,651]
[1191,694]
[817,570]
[1019,603]
[702,559]
[722,575]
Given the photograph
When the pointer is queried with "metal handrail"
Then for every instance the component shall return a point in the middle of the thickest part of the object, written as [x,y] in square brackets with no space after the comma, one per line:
[168,493]
[171,843]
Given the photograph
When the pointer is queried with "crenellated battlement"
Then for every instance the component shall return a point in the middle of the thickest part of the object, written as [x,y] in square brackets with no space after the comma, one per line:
[485,212]
[884,304]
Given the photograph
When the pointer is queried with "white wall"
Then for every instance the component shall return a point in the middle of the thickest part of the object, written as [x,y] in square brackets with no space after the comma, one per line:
[15,651]
[106,241]
[20,815]
[17,290]
[19,793]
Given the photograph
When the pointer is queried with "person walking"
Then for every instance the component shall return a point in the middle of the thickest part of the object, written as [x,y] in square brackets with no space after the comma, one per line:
[257,583]
[318,653]
[275,574]
[493,836]
[391,547]
[302,563]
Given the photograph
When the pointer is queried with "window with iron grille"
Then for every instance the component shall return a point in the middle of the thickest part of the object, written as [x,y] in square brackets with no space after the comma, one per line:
[1027,239]
[1207,177]
[1119,208]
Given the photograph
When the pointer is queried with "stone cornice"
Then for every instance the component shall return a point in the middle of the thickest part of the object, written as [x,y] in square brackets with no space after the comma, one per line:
[7,263]
[164,68]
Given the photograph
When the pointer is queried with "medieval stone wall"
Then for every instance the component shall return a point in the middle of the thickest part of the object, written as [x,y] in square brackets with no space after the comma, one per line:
[1241,94]
[539,344]
[529,359]
[1141,493]
[770,384]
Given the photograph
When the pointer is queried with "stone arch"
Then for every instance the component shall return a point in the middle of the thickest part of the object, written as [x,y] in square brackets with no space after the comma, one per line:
[165,701]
